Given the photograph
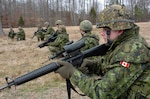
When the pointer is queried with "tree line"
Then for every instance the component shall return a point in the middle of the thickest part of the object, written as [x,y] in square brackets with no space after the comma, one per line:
[72,12]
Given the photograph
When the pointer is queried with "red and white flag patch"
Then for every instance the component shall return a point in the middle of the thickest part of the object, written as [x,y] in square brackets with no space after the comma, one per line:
[124,64]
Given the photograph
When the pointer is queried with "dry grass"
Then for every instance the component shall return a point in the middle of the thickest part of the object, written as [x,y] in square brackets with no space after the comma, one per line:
[18,58]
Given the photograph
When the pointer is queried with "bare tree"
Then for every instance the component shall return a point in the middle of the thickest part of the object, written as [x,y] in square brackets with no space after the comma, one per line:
[1,30]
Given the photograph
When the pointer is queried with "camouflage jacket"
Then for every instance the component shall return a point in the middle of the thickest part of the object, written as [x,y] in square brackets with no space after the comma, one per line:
[125,70]
[60,41]
[49,32]
[11,34]
[21,33]
[91,40]
[39,33]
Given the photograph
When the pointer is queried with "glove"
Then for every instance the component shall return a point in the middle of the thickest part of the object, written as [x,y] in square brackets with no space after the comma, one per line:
[87,66]
[66,69]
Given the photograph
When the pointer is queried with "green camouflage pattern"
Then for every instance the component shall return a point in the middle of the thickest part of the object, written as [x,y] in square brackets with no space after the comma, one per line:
[49,32]
[60,41]
[21,34]
[119,81]
[86,25]
[11,34]
[91,40]
[116,17]
[40,34]
[61,29]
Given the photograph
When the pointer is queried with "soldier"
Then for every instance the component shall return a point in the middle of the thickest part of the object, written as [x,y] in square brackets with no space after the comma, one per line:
[11,33]
[21,34]
[60,26]
[61,40]
[90,38]
[48,31]
[39,33]
[125,68]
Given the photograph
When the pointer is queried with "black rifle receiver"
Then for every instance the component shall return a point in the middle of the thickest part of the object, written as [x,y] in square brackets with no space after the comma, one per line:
[50,39]
[60,52]
[37,32]
[102,49]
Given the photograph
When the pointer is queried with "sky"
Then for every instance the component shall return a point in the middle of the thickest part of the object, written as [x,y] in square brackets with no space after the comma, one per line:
[102,2]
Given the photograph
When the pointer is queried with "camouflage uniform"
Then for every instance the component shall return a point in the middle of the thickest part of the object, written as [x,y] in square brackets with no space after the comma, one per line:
[125,68]
[49,31]
[21,34]
[60,41]
[39,33]
[11,33]
[90,38]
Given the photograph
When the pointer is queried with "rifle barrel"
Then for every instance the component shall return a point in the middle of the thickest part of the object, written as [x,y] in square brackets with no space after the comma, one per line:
[100,50]
[3,87]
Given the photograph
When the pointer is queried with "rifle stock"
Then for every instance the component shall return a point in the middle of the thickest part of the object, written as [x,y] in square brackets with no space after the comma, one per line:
[54,66]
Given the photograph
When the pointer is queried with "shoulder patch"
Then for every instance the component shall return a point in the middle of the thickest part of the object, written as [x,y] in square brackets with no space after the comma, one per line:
[124,64]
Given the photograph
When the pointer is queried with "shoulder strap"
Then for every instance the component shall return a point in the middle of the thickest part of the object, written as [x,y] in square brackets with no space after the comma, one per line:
[69,87]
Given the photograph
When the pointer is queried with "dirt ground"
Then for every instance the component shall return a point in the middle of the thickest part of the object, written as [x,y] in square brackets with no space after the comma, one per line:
[20,57]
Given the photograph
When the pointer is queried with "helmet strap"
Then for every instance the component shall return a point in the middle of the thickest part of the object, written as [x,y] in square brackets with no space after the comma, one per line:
[108,36]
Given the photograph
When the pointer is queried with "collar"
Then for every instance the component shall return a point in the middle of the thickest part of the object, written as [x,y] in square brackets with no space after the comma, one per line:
[125,36]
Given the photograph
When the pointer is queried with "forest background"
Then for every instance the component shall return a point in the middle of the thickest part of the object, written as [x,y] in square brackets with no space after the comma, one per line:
[72,12]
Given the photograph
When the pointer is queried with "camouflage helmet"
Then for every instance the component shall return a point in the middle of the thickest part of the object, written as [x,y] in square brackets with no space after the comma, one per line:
[46,23]
[86,25]
[115,17]
[62,28]
[39,26]
[58,22]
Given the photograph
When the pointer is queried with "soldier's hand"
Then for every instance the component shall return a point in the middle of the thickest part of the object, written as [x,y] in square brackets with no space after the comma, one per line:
[86,66]
[66,69]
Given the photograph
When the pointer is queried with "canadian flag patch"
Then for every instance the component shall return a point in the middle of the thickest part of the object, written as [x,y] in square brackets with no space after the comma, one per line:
[124,64]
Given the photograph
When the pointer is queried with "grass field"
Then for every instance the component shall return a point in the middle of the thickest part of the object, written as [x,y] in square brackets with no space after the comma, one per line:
[18,58]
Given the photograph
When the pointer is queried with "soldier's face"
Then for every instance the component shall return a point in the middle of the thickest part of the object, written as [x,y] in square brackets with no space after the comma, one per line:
[113,34]
[82,33]
[57,26]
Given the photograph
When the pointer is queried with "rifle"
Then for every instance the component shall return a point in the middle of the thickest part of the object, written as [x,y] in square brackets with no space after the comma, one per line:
[44,30]
[75,57]
[35,33]
[38,31]
[50,39]
[60,52]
